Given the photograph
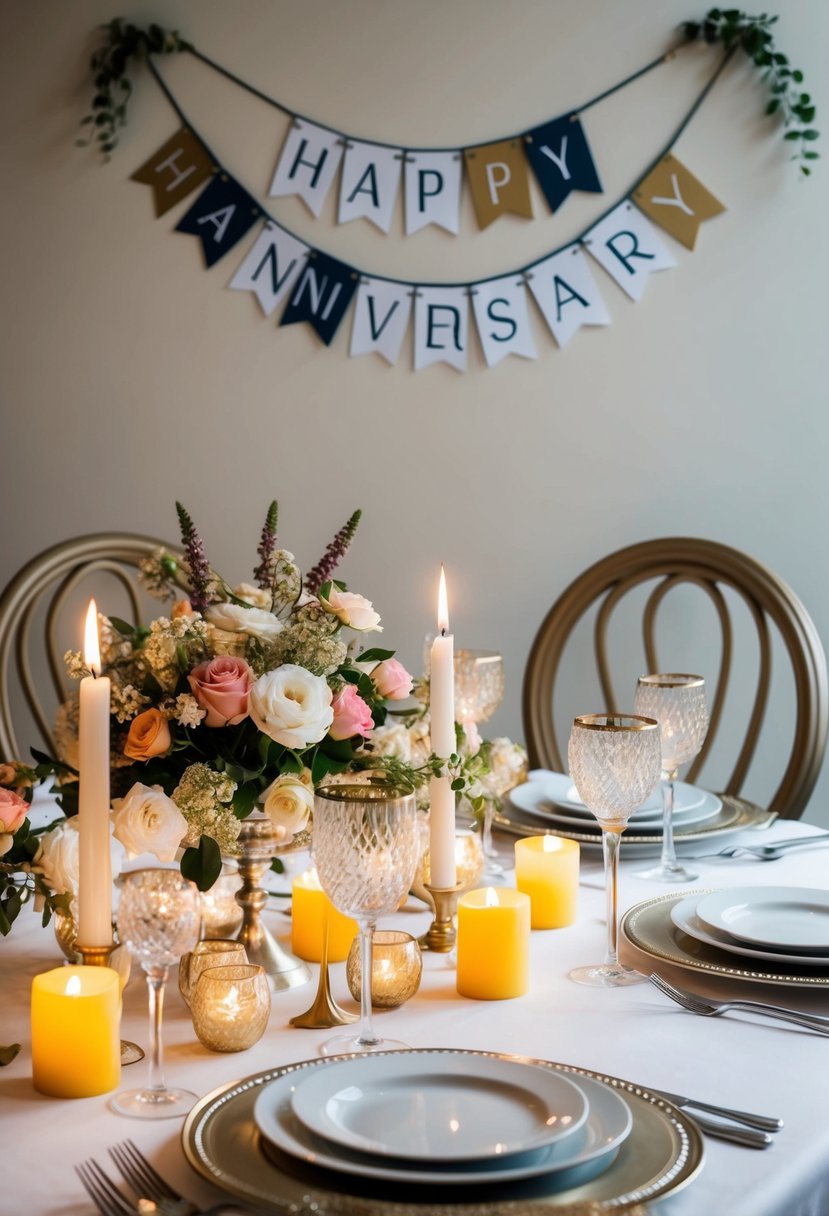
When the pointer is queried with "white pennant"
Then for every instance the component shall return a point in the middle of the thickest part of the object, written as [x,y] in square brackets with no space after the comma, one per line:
[381,317]
[308,163]
[503,319]
[626,244]
[271,267]
[370,179]
[441,326]
[566,294]
[433,190]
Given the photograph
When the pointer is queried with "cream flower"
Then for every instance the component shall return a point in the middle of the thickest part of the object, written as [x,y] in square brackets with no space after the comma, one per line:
[288,803]
[254,622]
[57,857]
[392,740]
[352,609]
[258,597]
[147,821]
[291,706]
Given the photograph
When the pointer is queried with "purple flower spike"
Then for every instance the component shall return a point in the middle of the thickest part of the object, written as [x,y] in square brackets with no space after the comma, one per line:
[267,547]
[333,555]
[196,560]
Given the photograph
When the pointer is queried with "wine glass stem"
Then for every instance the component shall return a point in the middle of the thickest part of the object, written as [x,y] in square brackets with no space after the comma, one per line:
[610,848]
[668,850]
[366,1035]
[487,829]
[156,979]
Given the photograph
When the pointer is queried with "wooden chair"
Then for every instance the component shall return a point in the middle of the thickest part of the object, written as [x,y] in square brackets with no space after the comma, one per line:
[36,602]
[714,568]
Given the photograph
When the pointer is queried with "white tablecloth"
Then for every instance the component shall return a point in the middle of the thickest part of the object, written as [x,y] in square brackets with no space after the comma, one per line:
[633,1032]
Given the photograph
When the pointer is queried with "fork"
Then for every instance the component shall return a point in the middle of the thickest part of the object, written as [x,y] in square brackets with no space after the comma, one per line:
[765,852]
[103,1192]
[697,1004]
[146,1181]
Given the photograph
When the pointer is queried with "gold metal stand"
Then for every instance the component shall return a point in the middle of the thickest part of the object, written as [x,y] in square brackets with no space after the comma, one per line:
[325,1011]
[441,934]
[99,956]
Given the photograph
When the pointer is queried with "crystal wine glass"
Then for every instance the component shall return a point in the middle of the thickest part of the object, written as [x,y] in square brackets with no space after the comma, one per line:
[158,919]
[366,846]
[677,701]
[615,764]
[479,690]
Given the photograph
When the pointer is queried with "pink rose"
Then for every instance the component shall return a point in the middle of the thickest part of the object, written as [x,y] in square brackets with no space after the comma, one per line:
[13,810]
[351,715]
[391,680]
[222,687]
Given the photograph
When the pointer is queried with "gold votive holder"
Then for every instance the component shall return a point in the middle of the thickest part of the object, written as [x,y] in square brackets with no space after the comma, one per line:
[231,1006]
[396,968]
[211,952]
[221,915]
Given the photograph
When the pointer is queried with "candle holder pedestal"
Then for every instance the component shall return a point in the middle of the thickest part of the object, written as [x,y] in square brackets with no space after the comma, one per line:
[259,844]
[99,956]
[441,934]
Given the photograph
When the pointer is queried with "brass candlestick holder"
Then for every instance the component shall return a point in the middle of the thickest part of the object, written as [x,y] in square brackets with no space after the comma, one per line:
[259,845]
[441,934]
[99,956]
[325,1011]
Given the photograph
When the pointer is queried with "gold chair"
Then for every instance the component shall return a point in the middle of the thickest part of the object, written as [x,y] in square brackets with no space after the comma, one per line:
[714,568]
[36,601]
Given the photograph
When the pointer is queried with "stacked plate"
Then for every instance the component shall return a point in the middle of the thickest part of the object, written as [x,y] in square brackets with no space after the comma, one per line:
[760,924]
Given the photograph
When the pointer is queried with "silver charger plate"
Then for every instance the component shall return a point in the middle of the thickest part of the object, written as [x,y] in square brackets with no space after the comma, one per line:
[220,1139]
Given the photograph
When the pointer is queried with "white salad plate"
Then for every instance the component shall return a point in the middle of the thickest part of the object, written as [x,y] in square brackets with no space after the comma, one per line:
[791,919]
[685,918]
[446,1109]
[553,795]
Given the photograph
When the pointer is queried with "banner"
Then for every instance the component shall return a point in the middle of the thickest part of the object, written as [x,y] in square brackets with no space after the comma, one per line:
[560,156]
[175,170]
[441,326]
[676,200]
[220,217]
[503,320]
[322,295]
[432,188]
[566,294]
[627,246]
[369,185]
[271,267]
[310,158]
[498,180]
[381,318]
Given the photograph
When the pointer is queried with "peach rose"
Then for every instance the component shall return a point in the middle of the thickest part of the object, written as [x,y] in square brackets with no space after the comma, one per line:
[181,608]
[391,680]
[351,715]
[222,686]
[352,609]
[13,810]
[149,735]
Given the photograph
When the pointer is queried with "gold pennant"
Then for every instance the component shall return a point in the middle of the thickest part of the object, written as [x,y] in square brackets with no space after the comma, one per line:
[175,170]
[499,180]
[676,200]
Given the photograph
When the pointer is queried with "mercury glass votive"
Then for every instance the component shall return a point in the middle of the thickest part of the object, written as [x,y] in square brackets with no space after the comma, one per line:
[396,968]
[231,1006]
[221,915]
[211,952]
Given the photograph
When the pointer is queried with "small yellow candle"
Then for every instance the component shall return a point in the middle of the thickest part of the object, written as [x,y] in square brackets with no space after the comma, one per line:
[310,908]
[76,1048]
[493,944]
[547,869]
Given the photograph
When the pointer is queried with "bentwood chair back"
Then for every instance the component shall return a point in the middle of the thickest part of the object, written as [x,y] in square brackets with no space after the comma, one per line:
[729,578]
[34,632]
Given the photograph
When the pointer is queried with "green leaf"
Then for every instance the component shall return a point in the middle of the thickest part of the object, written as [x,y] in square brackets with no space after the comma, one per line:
[202,865]
[773,106]
[811,156]
[374,655]
[7,1054]
[124,627]
[244,800]
[793,135]
[457,784]
[797,76]
[277,865]
[811,134]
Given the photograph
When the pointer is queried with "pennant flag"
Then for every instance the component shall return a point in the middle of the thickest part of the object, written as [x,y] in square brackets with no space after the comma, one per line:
[308,163]
[432,189]
[381,317]
[628,248]
[220,217]
[503,319]
[564,290]
[676,200]
[441,323]
[271,267]
[175,170]
[370,180]
[560,156]
[498,180]
[322,294]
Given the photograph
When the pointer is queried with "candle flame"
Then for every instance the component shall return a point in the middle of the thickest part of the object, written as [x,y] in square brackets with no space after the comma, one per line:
[443,606]
[311,879]
[73,986]
[551,844]
[91,643]
[491,900]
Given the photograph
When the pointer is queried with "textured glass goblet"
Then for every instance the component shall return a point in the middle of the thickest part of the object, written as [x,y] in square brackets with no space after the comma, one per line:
[677,701]
[615,764]
[366,846]
[479,690]
[158,919]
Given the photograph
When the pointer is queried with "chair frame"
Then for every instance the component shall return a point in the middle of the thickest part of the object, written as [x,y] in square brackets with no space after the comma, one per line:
[707,565]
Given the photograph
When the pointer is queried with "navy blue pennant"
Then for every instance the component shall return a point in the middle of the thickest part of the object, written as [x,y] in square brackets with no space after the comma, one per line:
[220,217]
[560,157]
[322,294]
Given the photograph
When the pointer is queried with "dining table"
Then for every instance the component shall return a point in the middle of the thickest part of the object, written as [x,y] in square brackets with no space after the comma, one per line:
[634,1033]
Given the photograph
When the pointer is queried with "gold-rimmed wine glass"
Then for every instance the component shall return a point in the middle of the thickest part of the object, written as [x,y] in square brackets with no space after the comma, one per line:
[615,761]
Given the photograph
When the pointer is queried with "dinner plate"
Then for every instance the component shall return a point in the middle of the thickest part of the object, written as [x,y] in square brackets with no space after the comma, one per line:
[547,791]
[685,918]
[449,1109]
[608,1123]
[793,919]
[662,1154]
[648,927]
[589,823]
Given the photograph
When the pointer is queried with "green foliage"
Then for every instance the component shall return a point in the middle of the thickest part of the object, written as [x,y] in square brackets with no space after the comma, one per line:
[122,43]
[202,865]
[754,35]
[7,1054]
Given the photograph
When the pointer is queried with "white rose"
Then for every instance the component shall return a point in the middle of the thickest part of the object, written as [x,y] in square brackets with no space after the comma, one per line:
[147,821]
[392,740]
[254,622]
[57,857]
[352,609]
[258,597]
[288,803]
[291,706]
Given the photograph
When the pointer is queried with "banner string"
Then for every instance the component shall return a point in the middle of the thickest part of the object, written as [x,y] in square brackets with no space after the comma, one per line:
[468,283]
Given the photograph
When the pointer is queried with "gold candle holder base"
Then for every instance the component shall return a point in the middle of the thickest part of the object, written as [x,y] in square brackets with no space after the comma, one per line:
[99,956]
[324,1012]
[441,934]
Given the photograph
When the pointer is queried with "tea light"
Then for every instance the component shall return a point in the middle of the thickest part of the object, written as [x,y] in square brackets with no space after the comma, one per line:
[396,968]
[211,952]
[547,869]
[310,910]
[493,944]
[221,915]
[231,1007]
[76,1046]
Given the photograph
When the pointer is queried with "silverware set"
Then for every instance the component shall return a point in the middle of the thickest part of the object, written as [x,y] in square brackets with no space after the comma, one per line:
[154,1196]
[764,852]
[709,1008]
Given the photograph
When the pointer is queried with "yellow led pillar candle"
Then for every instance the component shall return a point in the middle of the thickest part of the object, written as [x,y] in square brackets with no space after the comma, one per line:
[76,1047]
[547,869]
[310,908]
[493,944]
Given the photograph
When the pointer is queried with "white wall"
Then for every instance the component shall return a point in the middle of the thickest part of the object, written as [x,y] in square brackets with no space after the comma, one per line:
[132,377]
